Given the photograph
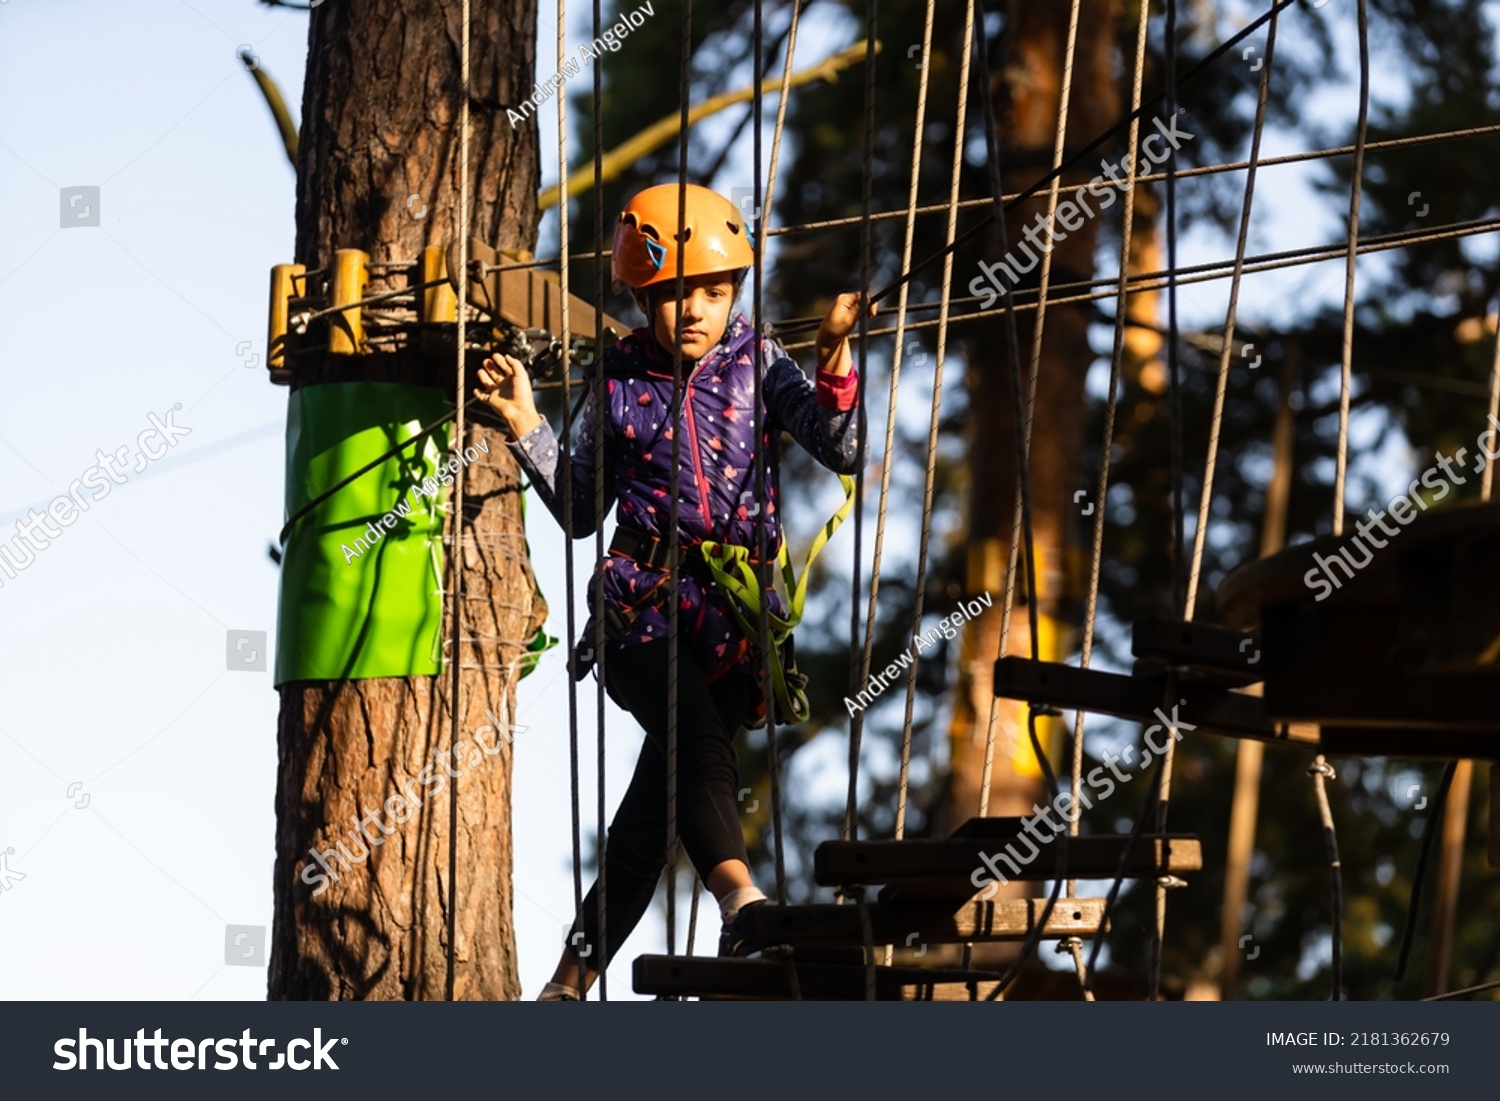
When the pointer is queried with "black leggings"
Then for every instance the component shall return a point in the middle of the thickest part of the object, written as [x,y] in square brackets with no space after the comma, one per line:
[708,819]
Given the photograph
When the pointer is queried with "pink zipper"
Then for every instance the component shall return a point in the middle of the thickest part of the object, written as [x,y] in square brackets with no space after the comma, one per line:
[687,401]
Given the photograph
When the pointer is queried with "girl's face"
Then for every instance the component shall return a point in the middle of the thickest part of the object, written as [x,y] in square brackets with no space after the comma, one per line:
[706,303]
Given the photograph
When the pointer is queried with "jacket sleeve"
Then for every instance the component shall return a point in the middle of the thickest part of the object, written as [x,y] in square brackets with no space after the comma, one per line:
[537,454]
[822,417]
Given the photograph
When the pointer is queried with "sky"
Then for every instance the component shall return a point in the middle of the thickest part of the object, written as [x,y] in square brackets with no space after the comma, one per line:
[137,751]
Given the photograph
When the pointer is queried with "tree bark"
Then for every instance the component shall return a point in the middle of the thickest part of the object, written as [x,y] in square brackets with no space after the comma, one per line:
[380,119]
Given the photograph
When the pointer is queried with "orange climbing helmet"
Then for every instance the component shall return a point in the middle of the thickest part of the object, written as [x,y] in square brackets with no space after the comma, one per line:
[714,238]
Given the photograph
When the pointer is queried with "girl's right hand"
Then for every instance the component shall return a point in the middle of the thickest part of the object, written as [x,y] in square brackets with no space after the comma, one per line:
[506,388]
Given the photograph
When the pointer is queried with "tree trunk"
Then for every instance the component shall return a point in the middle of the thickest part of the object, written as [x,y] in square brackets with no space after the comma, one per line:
[380,120]
[1027,94]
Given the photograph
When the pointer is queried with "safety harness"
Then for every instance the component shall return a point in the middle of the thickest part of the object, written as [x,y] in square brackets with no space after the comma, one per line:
[732,568]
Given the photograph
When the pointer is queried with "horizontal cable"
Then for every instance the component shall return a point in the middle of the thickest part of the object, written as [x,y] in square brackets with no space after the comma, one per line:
[1203,273]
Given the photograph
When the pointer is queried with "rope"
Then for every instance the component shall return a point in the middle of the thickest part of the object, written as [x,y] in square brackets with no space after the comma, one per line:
[997,197]
[575,783]
[1101,490]
[1465,992]
[786,83]
[762,210]
[457,514]
[960,133]
[890,421]
[1205,500]
[1021,514]
[1321,772]
[1022,529]
[693,914]
[1216,422]
[1419,873]
[856,727]
[1155,177]
[1147,281]
[673,547]
[1164,772]
[1489,468]
[1118,880]
[1174,372]
[761,461]
[1203,272]
[1084,152]
[1346,360]
[599,406]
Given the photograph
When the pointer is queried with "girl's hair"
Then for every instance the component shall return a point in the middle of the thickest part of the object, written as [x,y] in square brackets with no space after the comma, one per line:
[646,297]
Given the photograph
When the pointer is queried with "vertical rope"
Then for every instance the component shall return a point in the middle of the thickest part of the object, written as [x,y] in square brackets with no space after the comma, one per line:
[1488,482]
[692,931]
[1346,357]
[1013,360]
[1174,380]
[1163,779]
[856,727]
[1117,356]
[565,449]
[1435,814]
[1022,529]
[679,397]
[786,84]
[1021,523]
[960,134]
[1101,488]
[1216,423]
[1321,771]
[760,463]
[890,420]
[457,508]
[600,411]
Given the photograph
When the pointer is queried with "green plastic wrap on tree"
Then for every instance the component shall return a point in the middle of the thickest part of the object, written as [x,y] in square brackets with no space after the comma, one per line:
[362,575]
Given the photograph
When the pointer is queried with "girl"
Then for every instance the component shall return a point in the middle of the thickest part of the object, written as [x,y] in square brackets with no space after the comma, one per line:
[721,498]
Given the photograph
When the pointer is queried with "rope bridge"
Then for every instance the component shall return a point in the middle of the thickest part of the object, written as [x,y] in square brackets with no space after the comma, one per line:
[899,892]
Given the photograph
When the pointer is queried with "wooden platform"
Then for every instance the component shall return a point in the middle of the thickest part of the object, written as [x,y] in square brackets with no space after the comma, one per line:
[906,923]
[947,867]
[699,976]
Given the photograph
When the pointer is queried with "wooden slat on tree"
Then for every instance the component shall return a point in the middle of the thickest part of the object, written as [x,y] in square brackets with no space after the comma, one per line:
[527,298]
[700,976]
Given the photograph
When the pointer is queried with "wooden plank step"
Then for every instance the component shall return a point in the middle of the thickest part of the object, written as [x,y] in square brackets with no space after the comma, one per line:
[957,861]
[708,977]
[909,923]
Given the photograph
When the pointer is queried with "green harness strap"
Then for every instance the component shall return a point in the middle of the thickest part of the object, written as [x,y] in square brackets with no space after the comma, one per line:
[731,570]
[540,641]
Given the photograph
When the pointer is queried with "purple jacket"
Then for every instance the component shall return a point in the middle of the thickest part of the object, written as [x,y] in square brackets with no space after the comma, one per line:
[718,490]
